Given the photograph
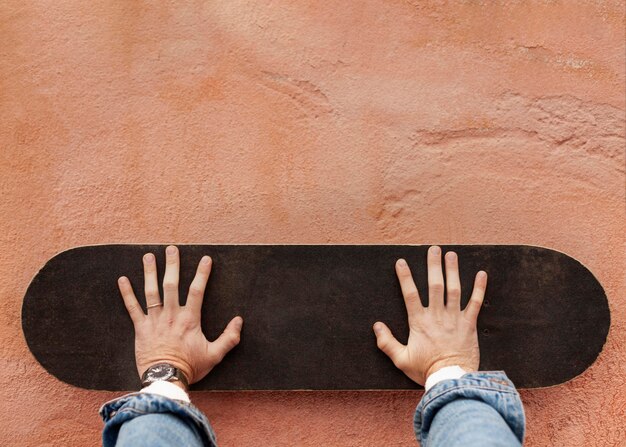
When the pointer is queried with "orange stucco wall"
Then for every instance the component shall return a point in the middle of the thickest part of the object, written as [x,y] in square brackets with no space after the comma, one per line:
[394,121]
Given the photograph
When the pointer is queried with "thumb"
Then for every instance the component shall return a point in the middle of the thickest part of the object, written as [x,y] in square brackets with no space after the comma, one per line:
[387,343]
[228,339]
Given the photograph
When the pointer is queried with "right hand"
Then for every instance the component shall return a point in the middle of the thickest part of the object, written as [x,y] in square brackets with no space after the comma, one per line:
[441,334]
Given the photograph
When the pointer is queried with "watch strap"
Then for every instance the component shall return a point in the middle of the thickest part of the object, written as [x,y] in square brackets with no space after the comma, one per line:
[181,376]
[178,375]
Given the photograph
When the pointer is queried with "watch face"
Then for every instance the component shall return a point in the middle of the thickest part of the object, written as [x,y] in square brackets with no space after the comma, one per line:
[161,371]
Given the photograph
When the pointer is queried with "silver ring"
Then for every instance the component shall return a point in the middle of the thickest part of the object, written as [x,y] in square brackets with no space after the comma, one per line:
[154,305]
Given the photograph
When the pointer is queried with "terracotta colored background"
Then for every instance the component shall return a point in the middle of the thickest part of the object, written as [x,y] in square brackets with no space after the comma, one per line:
[311,122]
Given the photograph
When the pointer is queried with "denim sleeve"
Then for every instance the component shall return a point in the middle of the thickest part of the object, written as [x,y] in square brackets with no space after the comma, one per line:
[479,409]
[141,419]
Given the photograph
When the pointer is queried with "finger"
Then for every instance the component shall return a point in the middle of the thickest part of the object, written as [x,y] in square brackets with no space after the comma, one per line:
[228,339]
[130,300]
[387,343]
[476,300]
[198,285]
[453,283]
[151,286]
[435,279]
[170,278]
[409,290]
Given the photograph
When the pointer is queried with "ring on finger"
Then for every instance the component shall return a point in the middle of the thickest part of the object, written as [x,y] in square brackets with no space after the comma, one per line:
[154,305]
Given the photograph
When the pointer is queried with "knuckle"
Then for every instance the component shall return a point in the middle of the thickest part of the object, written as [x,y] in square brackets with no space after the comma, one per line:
[454,293]
[472,307]
[405,273]
[436,287]
[381,343]
[170,285]
[412,295]
[188,322]
[152,293]
[196,291]
[234,339]
[475,303]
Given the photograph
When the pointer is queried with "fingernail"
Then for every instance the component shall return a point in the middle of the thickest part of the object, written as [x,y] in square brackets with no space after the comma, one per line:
[401,262]
[171,250]
[149,258]
[377,328]
[436,250]
[451,255]
[206,259]
[238,322]
[122,280]
[482,275]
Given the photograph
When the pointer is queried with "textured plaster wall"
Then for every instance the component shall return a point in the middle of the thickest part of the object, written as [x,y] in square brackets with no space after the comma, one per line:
[311,122]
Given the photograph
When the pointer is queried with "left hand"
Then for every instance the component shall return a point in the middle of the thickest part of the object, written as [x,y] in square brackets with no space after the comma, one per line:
[171,333]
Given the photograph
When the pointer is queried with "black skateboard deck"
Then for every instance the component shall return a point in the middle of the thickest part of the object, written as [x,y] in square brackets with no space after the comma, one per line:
[308,313]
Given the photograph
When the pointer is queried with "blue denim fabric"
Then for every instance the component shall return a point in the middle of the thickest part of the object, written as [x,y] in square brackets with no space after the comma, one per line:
[140,420]
[479,409]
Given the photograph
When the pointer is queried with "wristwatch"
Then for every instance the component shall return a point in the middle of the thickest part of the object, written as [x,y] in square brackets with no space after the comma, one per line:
[163,371]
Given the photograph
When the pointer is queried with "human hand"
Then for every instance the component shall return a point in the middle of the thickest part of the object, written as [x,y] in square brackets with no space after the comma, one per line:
[441,334]
[171,333]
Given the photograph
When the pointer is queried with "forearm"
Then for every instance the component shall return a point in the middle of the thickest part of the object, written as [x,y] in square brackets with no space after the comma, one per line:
[151,419]
[158,430]
[478,409]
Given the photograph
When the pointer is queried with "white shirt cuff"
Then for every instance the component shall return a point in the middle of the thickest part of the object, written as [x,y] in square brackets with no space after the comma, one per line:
[166,389]
[445,373]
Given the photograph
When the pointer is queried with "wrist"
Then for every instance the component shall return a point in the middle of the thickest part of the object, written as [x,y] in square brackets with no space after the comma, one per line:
[167,372]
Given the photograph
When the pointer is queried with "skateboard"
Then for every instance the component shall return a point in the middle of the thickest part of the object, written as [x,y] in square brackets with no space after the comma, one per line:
[308,313]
